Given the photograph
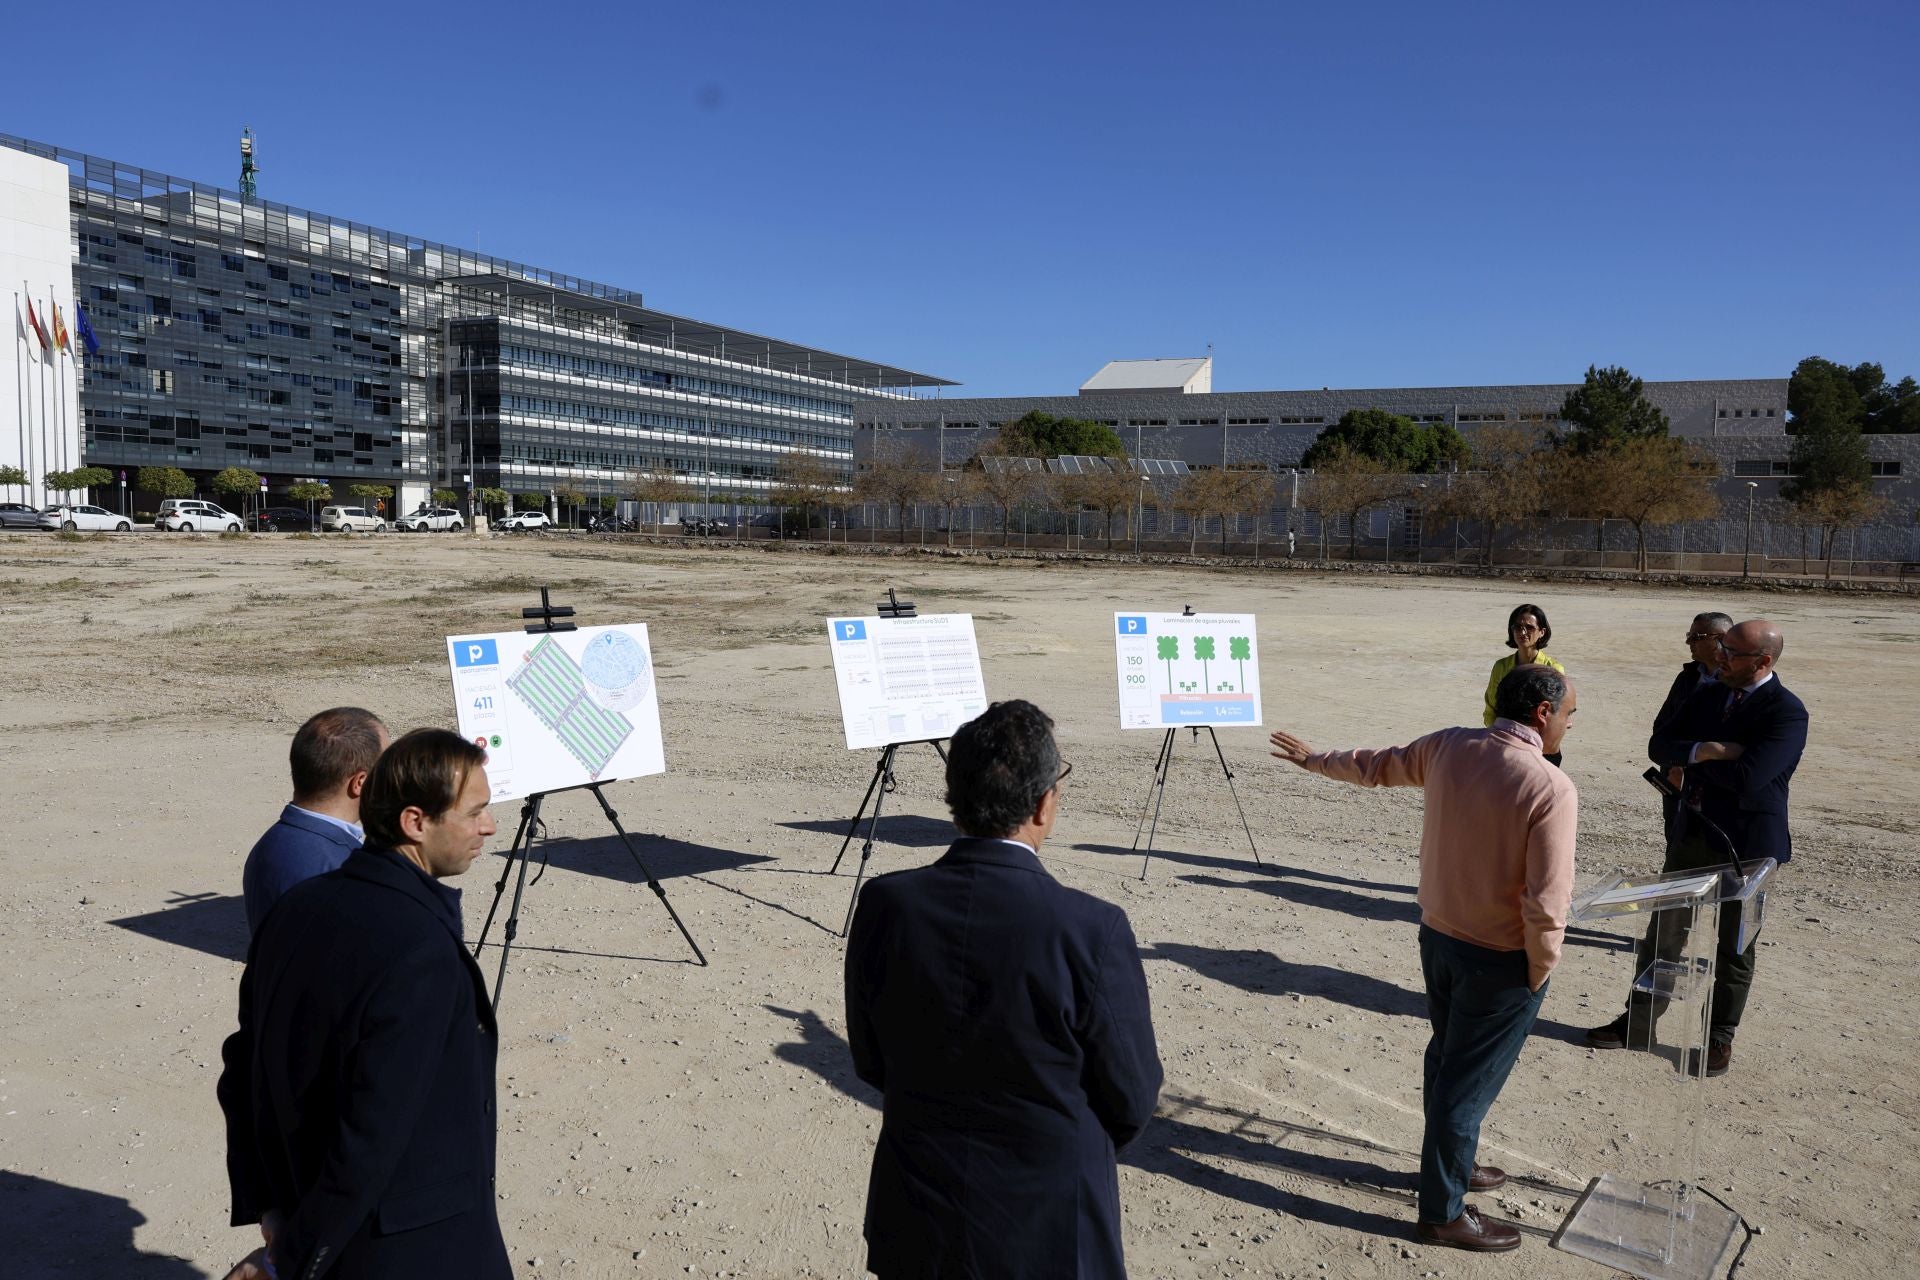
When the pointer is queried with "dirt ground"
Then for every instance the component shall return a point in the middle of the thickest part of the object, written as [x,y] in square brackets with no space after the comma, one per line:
[658,1118]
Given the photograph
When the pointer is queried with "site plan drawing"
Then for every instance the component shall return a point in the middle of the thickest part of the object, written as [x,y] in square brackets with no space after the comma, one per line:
[906,679]
[558,710]
[1181,669]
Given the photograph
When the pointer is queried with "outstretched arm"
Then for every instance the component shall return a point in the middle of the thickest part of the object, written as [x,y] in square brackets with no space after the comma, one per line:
[1388,767]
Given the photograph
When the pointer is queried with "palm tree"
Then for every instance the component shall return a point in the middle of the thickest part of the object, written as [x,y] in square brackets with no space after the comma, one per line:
[1167,649]
[1239,648]
[1203,650]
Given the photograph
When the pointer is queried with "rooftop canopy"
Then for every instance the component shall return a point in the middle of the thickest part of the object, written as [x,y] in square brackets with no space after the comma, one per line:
[682,334]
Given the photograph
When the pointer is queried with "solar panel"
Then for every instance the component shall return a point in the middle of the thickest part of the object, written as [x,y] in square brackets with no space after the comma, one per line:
[1079,464]
[1001,466]
[1157,466]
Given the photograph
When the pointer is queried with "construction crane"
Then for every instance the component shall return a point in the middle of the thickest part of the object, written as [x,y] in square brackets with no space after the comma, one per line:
[249,192]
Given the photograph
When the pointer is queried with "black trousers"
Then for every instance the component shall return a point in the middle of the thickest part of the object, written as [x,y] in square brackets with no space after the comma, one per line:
[1667,937]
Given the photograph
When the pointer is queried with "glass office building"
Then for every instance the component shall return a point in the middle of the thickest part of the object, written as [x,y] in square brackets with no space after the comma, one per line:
[303,346]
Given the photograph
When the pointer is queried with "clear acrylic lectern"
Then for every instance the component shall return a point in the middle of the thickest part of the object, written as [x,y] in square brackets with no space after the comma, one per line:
[1636,1220]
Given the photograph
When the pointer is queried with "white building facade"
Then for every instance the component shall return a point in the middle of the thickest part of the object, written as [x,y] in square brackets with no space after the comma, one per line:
[40,428]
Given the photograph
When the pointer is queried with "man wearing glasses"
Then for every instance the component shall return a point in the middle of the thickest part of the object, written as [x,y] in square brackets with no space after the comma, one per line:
[1004,1019]
[1738,741]
[1703,643]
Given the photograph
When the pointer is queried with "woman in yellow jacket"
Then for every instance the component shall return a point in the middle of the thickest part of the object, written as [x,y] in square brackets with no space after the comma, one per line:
[1527,635]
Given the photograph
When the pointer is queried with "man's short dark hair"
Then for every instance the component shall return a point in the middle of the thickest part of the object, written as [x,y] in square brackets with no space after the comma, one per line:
[1718,621]
[1539,620]
[998,767]
[1521,690]
[331,747]
[424,769]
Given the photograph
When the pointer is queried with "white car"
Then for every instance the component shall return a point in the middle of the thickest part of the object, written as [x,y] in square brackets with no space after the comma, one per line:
[83,517]
[350,520]
[431,520]
[523,520]
[193,515]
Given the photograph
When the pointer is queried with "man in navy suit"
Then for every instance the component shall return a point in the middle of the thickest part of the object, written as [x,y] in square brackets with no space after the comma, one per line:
[1703,644]
[331,756]
[1738,741]
[359,1089]
[1004,1019]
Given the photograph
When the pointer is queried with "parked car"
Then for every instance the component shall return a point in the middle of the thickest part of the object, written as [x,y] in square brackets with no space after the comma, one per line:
[194,515]
[431,520]
[520,521]
[83,517]
[280,520]
[351,520]
[19,515]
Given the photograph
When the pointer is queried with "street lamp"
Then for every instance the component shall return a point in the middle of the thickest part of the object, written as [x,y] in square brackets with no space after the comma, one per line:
[1139,514]
[953,497]
[1746,559]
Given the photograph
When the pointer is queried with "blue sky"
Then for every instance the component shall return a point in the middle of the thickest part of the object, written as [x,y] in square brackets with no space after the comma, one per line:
[1384,194]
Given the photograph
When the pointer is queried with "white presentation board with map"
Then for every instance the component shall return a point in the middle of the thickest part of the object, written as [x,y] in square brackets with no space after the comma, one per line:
[560,709]
[1181,669]
[906,679]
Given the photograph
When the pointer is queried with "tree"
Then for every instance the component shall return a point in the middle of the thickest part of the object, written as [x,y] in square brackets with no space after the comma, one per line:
[1250,493]
[237,485]
[78,479]
[310,492]
[803,481]
[12,477]
[1203,494]
[491,499]
[168,482]
[1834,509]
[570,498]
[445,497]
[895,477]
[370,494]
[1396,442]
[1005,479]
[1656,480]
[1832,474]
[1110,489]
[656,490]
[1607,409]
[1167,649]
[1504,483]
[528,500]
[1041,435]
[1240,649]
[1203,650]
[1860,395]
[1345,485]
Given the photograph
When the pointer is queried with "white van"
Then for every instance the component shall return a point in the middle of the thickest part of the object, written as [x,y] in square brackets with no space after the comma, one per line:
[351,520]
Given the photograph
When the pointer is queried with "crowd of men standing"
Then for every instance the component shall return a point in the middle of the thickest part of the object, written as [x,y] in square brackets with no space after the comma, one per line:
[1003,1017]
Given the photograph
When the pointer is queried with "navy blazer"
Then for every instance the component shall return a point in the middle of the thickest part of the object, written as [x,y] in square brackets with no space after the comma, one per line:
[359,1089]
[1004,1019]
[1684,686]
[298,847]
[1746,798]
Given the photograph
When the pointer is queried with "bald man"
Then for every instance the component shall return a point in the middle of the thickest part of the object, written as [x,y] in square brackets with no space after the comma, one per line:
[1739,740]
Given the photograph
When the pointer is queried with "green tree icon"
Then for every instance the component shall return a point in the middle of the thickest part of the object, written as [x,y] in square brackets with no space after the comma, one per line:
[1168,648]
[1203,650]
[1239,648]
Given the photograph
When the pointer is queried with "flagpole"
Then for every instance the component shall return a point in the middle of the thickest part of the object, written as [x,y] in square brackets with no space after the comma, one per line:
[20,402]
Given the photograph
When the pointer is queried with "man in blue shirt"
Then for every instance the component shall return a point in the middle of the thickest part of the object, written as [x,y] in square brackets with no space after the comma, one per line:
[331,756]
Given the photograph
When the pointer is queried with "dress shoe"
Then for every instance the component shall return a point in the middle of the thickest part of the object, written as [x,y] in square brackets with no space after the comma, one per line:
[1719,1058]
[1619,1033]
[1486,1178]
[1469,1231]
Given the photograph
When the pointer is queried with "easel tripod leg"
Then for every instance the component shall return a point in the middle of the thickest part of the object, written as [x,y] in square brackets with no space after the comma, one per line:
[658,890]
[885,776]
[1159,794]
[879,772]
[1235,794]
[500,886]
[512,929]
[1159,763]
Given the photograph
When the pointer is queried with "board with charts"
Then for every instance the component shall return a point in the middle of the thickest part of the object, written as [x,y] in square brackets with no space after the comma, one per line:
[906,679]
[560,709]
[1187,669]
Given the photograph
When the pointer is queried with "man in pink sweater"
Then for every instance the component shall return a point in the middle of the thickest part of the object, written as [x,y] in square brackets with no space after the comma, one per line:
[1496,880]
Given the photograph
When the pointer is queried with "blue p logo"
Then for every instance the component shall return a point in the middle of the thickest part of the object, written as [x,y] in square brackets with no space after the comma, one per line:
[851,630]
[476,653]
[1133,625]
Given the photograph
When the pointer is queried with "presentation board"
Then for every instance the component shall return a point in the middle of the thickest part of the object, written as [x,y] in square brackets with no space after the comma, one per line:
[560,709]
[906,679]
[1187,670]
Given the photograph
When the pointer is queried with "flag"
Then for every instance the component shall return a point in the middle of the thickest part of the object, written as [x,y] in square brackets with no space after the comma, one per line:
[60,338]
[39,330]
[80,322]
[25,335]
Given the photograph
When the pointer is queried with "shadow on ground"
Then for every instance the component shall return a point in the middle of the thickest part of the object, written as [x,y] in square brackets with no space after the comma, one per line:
[205,922]
[50,1231]
[908,830]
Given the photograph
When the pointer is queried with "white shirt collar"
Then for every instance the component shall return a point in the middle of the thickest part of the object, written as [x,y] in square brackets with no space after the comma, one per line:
[353,829]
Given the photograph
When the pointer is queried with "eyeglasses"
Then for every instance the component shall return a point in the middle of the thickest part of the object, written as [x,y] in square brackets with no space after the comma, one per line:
[1693,636]
[1738,653]
[1524,626]
[1064,771]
